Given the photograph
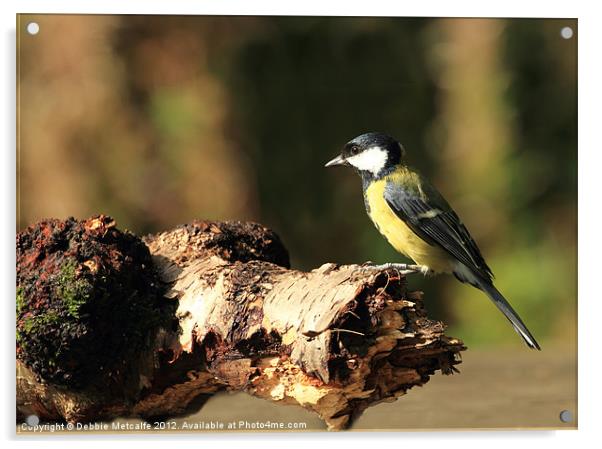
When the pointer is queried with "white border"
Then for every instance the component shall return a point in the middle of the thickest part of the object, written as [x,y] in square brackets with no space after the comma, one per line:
[508,8]
[590,148]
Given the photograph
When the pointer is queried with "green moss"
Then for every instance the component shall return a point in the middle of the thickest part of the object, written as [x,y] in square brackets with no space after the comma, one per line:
[39,322]
[73,292]
[20,300]
[74,319]
[37,325]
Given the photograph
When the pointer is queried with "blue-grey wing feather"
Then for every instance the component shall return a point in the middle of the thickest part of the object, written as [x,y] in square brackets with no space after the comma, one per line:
[436,223]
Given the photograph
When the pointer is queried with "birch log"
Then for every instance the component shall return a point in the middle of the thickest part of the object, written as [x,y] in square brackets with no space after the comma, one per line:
[334,340]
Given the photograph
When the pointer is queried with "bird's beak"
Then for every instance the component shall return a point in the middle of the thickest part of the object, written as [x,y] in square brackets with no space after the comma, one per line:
[337,161]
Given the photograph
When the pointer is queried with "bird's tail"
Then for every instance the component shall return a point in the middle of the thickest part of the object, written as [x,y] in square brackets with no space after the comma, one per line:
[509,313]
[466,275]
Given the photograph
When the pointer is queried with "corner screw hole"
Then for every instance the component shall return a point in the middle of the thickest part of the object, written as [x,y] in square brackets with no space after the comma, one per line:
[32,420]
[566,32]
[566,416]
[33,28]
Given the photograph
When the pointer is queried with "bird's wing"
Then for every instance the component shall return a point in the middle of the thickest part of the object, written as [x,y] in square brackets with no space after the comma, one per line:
[433,220]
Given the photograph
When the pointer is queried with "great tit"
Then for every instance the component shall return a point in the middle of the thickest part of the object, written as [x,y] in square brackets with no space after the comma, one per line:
[417,221]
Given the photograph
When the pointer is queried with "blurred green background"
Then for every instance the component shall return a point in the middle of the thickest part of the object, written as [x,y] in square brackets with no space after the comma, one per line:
[159,120]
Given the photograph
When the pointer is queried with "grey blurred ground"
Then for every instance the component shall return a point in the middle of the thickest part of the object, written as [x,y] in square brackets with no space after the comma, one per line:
[498,389]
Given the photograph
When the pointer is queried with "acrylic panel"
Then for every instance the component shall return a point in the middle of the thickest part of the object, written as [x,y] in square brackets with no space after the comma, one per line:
[186,263]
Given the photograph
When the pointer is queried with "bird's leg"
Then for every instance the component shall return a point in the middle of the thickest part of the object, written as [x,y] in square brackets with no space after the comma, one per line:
[403,268]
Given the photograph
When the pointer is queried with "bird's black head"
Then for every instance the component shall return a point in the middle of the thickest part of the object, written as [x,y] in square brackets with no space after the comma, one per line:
[373,155]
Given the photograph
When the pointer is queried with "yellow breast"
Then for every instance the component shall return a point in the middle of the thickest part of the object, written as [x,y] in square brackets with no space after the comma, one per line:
[399,235]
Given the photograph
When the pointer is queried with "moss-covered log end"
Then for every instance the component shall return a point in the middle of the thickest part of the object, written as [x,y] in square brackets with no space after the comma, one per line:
[88,300]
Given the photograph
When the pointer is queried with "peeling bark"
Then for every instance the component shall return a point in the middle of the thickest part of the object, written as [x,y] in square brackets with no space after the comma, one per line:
[334,340]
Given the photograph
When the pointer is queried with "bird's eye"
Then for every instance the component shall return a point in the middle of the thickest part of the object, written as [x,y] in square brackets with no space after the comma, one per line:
[354,150]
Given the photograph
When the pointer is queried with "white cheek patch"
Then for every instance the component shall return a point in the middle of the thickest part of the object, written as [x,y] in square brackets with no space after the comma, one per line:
[372,159]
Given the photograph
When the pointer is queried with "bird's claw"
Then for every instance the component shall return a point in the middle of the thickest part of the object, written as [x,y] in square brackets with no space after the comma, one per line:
[403,268]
